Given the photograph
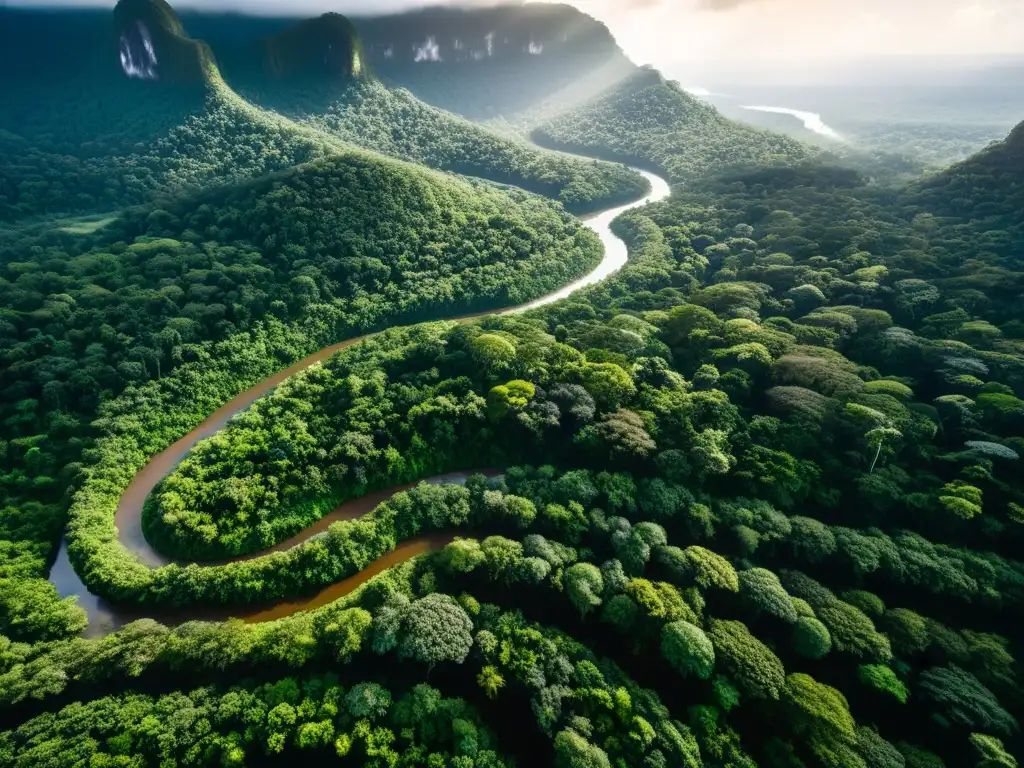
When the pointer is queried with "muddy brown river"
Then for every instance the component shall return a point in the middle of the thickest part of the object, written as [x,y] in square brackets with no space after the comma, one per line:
[106,617]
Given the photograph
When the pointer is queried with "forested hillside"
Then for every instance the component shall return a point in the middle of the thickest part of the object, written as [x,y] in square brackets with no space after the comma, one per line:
[976,211]
[395,123]
[170,128]
[176,126]
[357,108]
[338,246]
[752,500]
[649,122]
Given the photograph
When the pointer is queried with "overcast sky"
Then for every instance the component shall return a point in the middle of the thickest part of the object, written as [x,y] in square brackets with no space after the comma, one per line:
[687,37]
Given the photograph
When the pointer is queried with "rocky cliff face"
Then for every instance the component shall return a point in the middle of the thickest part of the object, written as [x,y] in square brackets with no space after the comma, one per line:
[473,36]
[152,44]
[492,62]
[326,47]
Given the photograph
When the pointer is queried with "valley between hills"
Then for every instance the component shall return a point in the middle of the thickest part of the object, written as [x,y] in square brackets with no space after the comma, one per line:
[444,389]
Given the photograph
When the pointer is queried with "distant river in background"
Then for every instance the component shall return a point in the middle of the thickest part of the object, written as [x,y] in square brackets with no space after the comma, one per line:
[811,120]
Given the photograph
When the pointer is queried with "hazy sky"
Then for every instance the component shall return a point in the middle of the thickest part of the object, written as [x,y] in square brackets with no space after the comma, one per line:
[741,33]
[688,37]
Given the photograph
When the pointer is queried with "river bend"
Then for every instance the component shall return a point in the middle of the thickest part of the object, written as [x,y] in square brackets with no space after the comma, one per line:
[106,617]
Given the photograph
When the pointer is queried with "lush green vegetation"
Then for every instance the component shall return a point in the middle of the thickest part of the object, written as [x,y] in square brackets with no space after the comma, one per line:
[773,410]
[974,214]
[314,716]
[755,498]
[345,245]
[133,138]
[395,123]
[148,297]
[649,122]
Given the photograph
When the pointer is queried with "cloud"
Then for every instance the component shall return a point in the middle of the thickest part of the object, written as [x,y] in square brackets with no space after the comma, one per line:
[748,34]
[723,5]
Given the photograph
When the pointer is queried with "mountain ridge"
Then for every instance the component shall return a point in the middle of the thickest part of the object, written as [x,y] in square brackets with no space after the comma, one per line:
[170,112]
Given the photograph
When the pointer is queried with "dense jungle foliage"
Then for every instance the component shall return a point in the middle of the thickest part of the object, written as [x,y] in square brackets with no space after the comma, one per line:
[753,500]
[393,122]
[347,245]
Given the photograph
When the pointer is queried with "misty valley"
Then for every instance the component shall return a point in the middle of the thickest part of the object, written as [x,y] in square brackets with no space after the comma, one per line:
[444,388]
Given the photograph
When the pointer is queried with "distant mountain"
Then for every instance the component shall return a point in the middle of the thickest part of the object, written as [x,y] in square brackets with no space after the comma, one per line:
[501,61]
[484,63]
[349,103]
[101,115]
[327,47]
[648,121]
[469,36]
[123,108]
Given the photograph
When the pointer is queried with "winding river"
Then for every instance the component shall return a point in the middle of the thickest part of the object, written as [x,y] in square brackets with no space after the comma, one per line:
[106,617]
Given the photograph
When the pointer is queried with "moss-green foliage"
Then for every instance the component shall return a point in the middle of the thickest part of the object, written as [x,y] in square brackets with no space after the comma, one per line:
[850,628]
[435,628]
[761,590]
[916,757]
[868,602]
[584,584]
[687,649]
[822,716]
[709,570]
[883,680]
[393,122]
[876,751]
[811,638]
[749,662]
[907,631]
[959,699]
[991,753]
[304,717]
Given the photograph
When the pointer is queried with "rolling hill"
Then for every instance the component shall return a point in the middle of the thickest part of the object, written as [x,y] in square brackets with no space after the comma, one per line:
[973,213]
[355,106]
[986,187]
[651,122]
[146,109]
[143,108]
